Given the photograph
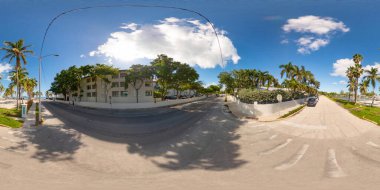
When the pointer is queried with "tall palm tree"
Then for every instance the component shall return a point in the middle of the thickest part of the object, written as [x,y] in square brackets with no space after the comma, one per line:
[357,72]
[372,76]
[351,81]
[287,69]
[18,52]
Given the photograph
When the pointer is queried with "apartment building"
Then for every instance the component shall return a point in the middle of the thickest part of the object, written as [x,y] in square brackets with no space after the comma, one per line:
[96,90]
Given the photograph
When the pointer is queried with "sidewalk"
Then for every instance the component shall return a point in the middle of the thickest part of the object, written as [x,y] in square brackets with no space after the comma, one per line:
[30,119]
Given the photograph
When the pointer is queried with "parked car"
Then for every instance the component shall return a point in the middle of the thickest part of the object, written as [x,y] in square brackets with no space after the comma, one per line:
[170,97]
[312,101]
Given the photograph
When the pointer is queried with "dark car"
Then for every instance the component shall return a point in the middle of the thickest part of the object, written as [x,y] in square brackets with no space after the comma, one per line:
[312,101]
[170,97]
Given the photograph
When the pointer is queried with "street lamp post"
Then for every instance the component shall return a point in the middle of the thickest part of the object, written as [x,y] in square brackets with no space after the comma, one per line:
[39,85]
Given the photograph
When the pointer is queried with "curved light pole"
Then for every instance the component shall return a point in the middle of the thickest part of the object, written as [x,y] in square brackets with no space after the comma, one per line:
[39,84]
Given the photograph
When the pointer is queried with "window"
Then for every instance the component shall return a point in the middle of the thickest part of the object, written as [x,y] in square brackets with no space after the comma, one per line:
[148,93]
[122,84]
[115,76]
[147,84]
[122,75]
[93,94]
[115,93]
[94,86]
[124,93]
[88,80]
[93,79]
[88,94]
[115,84]
[88,87]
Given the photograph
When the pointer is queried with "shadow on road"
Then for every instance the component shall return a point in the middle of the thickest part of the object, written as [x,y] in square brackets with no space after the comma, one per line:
[51,143]
[209,144]
[199,136]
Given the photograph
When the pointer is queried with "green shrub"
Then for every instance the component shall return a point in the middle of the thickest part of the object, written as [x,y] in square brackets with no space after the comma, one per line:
[250,96]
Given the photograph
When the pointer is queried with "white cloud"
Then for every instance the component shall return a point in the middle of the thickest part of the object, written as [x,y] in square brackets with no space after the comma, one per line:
[341,82]
[309,44]
[82,56]
[284,41]
[340,67]
[376,65]
[5,67]
[315,31]
[186,40]
[314,24]
[131,26]
[8,78]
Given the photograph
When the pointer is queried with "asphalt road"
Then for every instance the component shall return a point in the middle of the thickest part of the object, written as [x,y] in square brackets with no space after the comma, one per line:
[193,146]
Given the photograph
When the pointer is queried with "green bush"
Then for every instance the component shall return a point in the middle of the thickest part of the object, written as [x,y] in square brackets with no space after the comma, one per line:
[250,96]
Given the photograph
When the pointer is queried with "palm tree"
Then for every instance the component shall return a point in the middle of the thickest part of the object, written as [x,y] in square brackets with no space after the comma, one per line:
[16,51]
[363,86]
[357,72]
[29,85]
[350,86]
[298,73]
[287,69]
[372,77]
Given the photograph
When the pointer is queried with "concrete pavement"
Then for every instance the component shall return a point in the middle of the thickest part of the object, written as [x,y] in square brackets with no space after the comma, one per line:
[193,146]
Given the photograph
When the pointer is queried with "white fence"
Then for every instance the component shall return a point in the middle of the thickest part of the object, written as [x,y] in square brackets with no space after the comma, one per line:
[133,105]
[267,110]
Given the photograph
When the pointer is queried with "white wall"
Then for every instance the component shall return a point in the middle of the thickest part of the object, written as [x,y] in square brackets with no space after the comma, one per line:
[267,110]
[134,105]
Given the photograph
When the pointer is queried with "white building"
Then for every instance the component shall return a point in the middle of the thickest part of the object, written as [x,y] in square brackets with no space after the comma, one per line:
[97,90]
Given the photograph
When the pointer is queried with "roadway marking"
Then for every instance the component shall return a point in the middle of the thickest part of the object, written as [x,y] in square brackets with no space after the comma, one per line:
[372,144]
[276,148]
[293,161]
[333,168]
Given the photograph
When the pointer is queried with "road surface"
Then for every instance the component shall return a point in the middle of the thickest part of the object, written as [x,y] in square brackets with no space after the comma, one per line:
[193,146]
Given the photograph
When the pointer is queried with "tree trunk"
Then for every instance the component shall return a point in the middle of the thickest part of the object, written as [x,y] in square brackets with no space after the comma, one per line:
[137,95]
[373,98]
[349,96]
[17,88]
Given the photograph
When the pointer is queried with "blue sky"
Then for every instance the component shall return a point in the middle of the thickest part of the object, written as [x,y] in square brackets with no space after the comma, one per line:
[255,34]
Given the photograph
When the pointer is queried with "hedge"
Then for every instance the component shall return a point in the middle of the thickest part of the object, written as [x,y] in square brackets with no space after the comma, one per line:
[250,96]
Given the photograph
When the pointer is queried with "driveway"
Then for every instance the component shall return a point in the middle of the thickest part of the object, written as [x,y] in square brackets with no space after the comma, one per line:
[193,146]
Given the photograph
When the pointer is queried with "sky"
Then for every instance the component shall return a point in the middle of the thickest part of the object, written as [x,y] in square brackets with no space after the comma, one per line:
[321,35]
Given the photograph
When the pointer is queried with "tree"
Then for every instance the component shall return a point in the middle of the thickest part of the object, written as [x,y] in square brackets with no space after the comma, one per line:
[214,89]
[226,79]
[357,71]
[182,77]
[29,85]
[136,75]
[363,87]
[102,71]
[288,70]
[18,52]
[372,76]
[164,68]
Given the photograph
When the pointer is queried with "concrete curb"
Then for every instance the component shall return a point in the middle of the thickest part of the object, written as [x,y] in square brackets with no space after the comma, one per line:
[280,119]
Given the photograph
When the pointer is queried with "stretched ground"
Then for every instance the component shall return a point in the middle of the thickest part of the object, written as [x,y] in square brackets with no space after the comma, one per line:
[193,146]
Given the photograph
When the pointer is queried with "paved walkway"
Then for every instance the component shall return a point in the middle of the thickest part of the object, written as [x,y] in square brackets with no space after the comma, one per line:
[30,120]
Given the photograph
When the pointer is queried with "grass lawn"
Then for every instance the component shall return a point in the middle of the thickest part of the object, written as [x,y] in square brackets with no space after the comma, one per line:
[6,117]
[364,112]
